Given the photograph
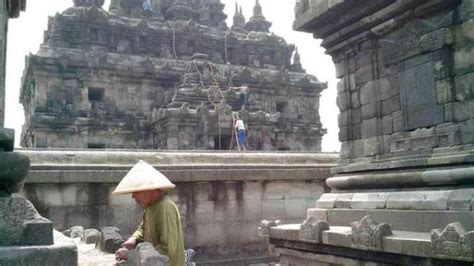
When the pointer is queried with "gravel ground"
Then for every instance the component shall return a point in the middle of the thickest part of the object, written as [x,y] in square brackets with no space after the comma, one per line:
[89,255]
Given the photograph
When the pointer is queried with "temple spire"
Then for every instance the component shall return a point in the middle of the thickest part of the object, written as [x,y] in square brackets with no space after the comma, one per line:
[258,22]
[239,19]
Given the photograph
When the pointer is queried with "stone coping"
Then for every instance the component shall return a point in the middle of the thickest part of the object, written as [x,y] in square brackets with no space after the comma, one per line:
[126,158]
[406,243]
[443,156]
[407,178]
[62,252]
[88,166]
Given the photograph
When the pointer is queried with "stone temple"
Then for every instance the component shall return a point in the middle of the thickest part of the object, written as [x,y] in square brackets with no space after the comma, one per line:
[173,77]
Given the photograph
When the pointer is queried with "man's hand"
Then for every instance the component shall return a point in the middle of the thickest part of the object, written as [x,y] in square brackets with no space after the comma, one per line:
[131,243]
[122,252]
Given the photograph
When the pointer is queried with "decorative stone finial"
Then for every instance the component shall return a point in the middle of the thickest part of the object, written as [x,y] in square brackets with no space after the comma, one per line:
[258,22]
[296,66]
[453,241]
[263,229]
[311,230]
[368,234]
[89,3]
[239,19]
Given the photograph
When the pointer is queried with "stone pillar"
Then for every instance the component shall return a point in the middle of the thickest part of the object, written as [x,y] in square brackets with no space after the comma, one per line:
[406,127]
[22,229]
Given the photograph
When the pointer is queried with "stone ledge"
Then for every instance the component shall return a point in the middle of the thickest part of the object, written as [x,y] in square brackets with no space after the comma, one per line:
[62,252]
[407,243]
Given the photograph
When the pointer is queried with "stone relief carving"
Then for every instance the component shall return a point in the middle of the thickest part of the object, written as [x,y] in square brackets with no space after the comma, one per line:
[452,241]
[312,230]
[368,234]
[263,229]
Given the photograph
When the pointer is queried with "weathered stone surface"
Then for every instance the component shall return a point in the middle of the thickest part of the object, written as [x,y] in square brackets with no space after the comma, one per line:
[265,226]
[176,87]
[13,170]
[453,241]
[146,255]
[110,239]
[77,232]
[91,236]
[62,252]
[312,230]
[20,224]
[368,234]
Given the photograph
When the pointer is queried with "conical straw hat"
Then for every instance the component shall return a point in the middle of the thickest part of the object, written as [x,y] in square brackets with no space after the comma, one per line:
[143,177]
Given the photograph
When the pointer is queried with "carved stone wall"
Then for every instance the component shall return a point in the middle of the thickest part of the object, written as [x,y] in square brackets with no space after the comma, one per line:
[406,127]
[130,79]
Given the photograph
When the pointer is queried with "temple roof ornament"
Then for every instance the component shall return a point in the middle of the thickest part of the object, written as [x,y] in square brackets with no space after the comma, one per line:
[239,19]
[258,22]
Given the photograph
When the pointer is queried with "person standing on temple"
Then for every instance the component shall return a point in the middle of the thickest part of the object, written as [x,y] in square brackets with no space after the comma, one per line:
[241,132]
[161,222]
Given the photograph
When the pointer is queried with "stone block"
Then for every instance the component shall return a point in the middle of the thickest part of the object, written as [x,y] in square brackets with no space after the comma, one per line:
[319,214]
[464,87]
[280,190]
[468,29]
[433,40]
[203,212]
[20,224]
[253,190]
[425,200]
[364,58]
[364,74]
[317,189]
[91,236]
[367,234]
[463,60]
[327,201]
[146,255]
[312,230]
[355,100]
[344,119]
[369,110]
[356,132]
[460,200]
[77,232]
[391,105]
[211,234]
[397,121]
[295,209]
[273,209]
[110,239]
[371,146]
[343,101]
[62,252]
[386,90]
[344,134]
[356,116]
[369,200]
[453,241]
[369,128]
[444,91]
[466,9]
[344,201]
[368,93]
[265,226]
[7,139]
[387,125]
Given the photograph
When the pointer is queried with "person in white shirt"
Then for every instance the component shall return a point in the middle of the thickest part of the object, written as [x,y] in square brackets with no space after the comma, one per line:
[240,127]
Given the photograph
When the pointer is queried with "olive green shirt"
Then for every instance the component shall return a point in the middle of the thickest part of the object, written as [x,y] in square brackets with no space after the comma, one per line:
[161,226]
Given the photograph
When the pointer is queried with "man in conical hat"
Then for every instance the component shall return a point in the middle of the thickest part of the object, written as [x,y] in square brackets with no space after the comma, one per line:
[161,223]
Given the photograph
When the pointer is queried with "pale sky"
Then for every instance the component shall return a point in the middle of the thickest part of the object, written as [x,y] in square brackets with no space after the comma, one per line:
[25,35]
